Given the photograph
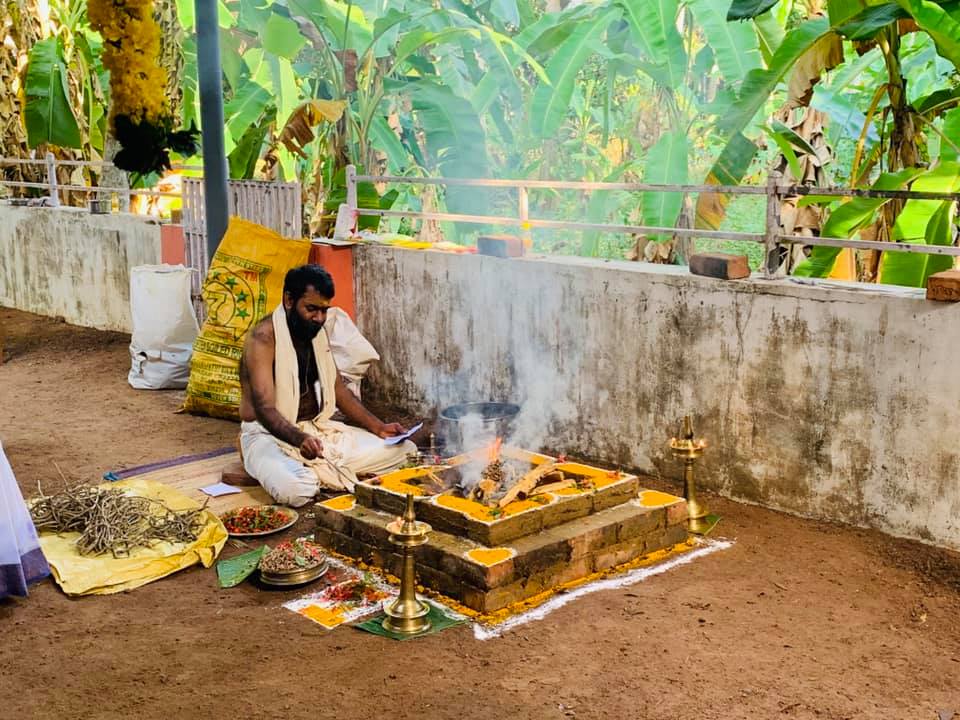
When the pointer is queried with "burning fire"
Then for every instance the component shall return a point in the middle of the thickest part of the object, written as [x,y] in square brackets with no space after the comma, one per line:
[493,454]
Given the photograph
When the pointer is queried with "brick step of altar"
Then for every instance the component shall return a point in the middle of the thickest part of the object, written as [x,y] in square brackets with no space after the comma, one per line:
[487,579]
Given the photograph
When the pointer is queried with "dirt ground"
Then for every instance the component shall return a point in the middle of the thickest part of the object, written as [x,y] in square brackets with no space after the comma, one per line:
[798,619]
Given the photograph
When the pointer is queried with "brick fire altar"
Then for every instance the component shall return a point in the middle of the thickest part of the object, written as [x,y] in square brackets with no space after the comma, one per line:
[488,553]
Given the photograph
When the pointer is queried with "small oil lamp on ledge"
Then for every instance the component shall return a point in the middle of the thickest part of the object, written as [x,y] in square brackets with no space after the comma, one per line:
[689,449]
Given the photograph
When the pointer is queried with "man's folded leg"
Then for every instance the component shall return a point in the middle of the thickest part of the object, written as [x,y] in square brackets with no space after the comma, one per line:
[288,481]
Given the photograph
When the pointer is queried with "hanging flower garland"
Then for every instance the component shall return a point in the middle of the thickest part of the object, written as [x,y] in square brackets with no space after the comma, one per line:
[139,109]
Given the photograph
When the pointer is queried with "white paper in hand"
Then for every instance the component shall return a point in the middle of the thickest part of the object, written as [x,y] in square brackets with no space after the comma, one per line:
[400,438]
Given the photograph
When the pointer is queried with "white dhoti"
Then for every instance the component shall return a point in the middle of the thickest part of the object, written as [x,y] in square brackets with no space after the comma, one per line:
[348,451]
[291,480]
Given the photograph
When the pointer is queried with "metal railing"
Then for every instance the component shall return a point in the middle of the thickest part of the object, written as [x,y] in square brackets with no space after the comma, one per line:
[54,187]
[771,238]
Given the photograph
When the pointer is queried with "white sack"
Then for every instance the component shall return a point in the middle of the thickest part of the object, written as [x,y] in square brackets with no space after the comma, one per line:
[164,327]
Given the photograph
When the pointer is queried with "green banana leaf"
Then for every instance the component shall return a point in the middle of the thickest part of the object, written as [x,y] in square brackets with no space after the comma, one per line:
[868,21]
[666,164]
[455,142]
[759,84]
[748,9]
[938,23]
[242,160]
[47,113]
[923,222]
[951,129]
[281,36]
[848,218]
[770,34]
[387,142]
[729,169]
[786,149]
[550,103]
[653,26]
[245,108]
[936,101]
[330,17]
[735,44]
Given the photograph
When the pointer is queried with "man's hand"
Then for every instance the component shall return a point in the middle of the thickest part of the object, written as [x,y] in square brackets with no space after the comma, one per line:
[390,430]
[311,448]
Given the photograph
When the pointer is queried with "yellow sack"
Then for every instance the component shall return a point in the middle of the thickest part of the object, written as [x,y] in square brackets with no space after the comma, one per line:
[244,283]
[104,574]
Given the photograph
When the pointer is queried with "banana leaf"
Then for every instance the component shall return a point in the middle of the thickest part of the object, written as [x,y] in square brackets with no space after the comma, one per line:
[938,23]
[47,113]
[653,25]
[748,9]
[729,169]
[847,219]
[330,17]
[759,84]
[666,164]
[550,103]
[770,34]
[281,36]
[869,21]
[387,142]
[735,44]
[242,160]
[245,108]
[923,222]
[455,141]
[951,129]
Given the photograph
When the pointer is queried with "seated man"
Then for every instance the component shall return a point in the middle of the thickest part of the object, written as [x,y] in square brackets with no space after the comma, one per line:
[291,389]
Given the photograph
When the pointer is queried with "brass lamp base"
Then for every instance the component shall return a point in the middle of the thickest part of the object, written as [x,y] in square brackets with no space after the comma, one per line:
[407,618]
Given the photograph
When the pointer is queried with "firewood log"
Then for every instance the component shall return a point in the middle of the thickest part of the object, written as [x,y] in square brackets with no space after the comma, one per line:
[553,487]
[527,483]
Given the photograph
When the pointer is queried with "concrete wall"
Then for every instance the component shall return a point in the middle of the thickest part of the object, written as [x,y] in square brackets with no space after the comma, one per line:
[838,403]
[67,262]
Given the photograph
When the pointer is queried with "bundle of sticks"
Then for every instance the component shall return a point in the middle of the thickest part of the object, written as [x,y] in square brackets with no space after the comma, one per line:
[110,520]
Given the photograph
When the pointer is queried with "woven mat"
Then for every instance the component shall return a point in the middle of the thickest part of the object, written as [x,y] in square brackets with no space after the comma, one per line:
[189,473]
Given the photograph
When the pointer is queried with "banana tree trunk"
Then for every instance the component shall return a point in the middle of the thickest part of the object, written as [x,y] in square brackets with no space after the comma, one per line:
[22,33]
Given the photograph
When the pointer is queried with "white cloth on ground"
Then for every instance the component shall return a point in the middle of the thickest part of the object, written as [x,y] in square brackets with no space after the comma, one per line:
[21,560]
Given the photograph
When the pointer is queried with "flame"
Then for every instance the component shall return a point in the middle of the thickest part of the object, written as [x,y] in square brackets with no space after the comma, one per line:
[494,453]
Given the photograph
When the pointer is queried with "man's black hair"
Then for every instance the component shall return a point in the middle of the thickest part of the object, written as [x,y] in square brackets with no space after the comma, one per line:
[298,279]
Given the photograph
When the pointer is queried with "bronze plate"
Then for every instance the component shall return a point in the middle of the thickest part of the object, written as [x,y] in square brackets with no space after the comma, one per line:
[295,577]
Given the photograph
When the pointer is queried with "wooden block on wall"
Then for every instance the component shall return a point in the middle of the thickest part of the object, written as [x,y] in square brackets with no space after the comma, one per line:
[944,286]
[720,265]
[504,246]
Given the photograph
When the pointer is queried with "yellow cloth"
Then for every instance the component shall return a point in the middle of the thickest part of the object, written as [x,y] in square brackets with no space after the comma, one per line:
[104,574]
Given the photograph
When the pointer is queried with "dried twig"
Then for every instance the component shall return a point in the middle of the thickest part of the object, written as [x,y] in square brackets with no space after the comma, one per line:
[109,520]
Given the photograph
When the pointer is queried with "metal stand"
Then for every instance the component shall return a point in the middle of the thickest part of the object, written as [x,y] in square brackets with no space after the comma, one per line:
[690,450]
[407,614]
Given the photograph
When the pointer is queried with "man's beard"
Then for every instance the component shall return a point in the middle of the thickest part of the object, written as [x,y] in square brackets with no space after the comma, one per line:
[300,328]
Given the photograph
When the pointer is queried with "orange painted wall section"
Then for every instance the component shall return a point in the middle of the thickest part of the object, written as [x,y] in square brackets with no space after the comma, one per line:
[338,261]
[172,246]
